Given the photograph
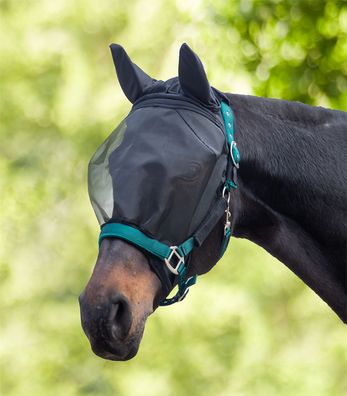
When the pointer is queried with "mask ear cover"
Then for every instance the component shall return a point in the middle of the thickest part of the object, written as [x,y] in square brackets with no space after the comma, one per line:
[192,76]
[132,79]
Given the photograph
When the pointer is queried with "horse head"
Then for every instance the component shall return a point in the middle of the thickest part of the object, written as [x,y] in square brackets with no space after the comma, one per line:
[161,184]
[156,186]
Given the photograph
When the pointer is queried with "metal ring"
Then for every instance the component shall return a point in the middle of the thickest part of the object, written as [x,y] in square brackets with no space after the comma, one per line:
[233,144]
[226,196]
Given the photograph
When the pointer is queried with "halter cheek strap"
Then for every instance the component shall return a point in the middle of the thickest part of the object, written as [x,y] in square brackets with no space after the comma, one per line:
[231,173]
[174,257]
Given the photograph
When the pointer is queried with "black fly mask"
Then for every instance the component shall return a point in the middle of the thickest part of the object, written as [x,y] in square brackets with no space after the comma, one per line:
[162,179]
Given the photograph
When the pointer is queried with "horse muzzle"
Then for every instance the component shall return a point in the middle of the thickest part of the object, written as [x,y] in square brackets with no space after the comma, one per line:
[109,329]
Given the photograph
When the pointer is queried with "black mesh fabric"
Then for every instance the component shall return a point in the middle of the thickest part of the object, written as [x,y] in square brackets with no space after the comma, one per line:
[100,186]
[160,169]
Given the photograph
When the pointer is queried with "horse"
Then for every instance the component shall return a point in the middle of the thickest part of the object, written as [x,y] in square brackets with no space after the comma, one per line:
[290,200]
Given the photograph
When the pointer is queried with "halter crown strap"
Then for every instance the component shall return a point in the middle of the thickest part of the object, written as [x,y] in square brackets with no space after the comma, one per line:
[228,117]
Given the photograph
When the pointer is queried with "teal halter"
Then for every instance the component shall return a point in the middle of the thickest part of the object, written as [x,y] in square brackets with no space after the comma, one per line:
[174,256]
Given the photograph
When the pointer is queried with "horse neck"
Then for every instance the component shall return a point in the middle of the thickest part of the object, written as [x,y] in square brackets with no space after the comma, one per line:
[291,196]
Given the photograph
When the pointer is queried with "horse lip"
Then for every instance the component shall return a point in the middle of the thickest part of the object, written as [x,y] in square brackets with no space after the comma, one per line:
[102,345]
[111,354]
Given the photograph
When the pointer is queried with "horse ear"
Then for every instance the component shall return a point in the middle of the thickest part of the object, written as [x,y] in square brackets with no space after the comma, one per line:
[192,76]
[131,78]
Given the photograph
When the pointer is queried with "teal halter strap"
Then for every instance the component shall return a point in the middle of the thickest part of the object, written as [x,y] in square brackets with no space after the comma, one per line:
[228,118]
[233,165]
[174,256]
[135,236]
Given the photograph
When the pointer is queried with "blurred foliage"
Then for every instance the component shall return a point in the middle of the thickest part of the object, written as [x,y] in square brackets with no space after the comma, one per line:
[250,327]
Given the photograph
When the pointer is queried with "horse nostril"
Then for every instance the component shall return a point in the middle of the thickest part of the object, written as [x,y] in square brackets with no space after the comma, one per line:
[120,318]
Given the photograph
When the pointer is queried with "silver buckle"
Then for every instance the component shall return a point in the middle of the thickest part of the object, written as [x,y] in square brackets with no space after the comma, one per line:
[175,254]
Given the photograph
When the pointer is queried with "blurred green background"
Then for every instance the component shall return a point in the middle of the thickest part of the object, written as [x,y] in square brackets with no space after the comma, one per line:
[250,327]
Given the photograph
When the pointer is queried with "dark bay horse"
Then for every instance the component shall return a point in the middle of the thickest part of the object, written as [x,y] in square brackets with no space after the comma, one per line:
[291,200]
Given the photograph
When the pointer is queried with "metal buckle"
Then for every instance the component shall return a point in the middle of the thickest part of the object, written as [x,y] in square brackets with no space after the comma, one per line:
[175,254]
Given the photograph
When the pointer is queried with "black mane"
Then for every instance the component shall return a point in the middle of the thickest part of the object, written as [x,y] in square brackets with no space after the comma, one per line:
[297,112]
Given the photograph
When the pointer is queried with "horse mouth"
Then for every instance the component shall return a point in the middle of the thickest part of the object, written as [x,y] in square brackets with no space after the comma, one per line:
[117,351]
[108,352]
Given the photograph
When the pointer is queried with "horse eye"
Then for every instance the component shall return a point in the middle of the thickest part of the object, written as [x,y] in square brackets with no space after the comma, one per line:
[191,172]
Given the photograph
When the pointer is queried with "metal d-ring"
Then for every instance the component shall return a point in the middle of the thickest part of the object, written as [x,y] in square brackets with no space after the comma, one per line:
[226,194]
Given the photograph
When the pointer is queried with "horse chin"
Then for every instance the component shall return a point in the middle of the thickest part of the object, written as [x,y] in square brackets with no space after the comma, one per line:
[127,352]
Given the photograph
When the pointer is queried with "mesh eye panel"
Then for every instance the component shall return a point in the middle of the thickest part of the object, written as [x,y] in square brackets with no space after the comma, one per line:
[100,186]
